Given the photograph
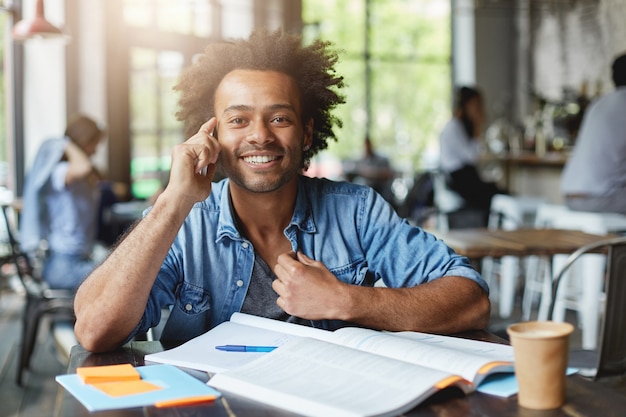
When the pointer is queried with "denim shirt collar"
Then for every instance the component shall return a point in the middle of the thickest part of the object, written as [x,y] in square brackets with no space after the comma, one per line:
[302,218]
[302,215]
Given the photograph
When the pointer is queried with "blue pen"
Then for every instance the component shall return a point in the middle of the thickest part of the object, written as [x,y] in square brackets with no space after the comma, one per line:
[243,348]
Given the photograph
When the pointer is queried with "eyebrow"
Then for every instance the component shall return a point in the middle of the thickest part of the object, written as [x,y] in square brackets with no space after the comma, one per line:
[244,107]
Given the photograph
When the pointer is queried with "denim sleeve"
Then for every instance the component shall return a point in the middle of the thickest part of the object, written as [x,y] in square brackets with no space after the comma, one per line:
[161,295]
[403,255]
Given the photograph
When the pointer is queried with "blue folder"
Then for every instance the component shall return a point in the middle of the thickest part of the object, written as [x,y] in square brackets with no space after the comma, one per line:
[175,384]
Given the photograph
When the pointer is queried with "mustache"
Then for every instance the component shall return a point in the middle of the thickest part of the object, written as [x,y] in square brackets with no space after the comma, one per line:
[271,148]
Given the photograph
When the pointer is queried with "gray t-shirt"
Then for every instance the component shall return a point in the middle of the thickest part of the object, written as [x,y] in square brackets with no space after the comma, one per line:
[261,298]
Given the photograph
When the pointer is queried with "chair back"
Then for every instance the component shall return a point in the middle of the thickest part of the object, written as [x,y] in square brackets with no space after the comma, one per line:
[446,200]
[612,346]
[40,298]
[546,213]
[561,217]
[512,212]
[24,267]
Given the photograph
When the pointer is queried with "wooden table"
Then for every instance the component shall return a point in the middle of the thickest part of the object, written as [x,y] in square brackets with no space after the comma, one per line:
[480,243]
[477,244]
[584,398]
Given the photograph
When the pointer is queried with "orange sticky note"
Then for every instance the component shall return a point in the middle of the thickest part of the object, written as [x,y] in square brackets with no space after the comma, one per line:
[109,373]
[198,399]
[119,389]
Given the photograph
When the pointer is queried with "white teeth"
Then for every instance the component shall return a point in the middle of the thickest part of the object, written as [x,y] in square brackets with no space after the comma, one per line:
[264,159]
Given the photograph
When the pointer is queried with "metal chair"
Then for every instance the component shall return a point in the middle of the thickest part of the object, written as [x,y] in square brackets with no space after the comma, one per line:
[610,357]
[446,200]
[508,213]
[40,300]
[578,294]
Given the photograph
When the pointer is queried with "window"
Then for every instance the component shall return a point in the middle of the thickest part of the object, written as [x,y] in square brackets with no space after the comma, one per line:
[153,126]
[398,80]
[187,17]
[161,37]
[4,128]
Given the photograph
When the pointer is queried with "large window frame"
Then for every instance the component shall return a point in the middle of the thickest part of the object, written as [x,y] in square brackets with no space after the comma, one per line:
[387,59]
[123,38]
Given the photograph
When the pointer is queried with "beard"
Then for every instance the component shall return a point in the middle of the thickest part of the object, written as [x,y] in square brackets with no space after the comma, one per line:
[262,182]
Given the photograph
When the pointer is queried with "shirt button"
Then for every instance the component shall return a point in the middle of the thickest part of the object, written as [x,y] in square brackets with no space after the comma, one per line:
[239,283]
[244,245]
[188,307]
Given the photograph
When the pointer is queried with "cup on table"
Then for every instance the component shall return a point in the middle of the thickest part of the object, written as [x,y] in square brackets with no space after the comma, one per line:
[540,349]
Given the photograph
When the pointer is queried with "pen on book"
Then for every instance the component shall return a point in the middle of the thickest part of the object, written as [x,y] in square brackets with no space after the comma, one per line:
[244,348]
[185,401]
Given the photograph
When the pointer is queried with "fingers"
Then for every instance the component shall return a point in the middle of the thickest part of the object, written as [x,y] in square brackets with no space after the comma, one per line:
[209,152]
[305,259]
[208,126]
[291,268]
[305,287]
[279,288]
[287,265]
[291,259]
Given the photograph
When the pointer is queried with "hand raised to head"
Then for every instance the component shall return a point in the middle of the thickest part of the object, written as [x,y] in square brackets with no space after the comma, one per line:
[193,164]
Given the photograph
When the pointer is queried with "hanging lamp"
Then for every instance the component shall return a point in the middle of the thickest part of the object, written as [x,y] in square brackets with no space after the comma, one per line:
[37,27]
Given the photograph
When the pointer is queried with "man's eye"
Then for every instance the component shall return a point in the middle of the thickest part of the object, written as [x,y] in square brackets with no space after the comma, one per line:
[281,119]
[237,120]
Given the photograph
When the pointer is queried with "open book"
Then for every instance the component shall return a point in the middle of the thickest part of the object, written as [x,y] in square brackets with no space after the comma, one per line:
[351,371]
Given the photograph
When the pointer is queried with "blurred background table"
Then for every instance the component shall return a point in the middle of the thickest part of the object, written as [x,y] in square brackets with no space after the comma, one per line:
[482,242]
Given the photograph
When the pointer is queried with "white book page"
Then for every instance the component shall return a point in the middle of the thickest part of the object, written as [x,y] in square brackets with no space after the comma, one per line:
[243,329]
[280,326]
[317,378]
[467,345]
[426,351]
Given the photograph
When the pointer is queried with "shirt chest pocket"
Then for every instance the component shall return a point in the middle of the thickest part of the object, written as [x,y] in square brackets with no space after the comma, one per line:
[355,273]
[191,299]
[190,315]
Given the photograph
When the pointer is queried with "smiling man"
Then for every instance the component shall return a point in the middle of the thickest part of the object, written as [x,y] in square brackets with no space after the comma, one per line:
[266,240]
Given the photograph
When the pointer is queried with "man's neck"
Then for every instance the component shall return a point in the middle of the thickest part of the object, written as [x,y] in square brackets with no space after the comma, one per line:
[261,215]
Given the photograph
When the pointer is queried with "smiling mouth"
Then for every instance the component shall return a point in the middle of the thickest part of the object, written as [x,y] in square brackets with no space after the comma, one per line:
[260,159]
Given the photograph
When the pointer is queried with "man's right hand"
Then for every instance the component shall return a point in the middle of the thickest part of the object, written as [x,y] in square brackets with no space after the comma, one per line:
[189,159]
[112,300]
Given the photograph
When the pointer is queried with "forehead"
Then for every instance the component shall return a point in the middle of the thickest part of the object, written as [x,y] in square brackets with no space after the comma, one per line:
[256,89]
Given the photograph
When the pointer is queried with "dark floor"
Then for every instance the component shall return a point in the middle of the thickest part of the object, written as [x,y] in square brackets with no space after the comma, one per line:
[38,396]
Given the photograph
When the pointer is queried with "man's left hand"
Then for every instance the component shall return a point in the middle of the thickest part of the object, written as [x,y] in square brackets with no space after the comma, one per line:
[306,288]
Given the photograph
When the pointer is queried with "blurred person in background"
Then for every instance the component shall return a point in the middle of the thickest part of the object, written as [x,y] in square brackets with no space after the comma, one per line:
[61,204]
[594,178]
[460,148]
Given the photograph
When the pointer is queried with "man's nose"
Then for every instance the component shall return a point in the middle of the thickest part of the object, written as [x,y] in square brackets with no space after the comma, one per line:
[260,133]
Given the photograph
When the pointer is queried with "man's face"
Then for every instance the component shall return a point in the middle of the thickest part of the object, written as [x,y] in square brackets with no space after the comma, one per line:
[260,129]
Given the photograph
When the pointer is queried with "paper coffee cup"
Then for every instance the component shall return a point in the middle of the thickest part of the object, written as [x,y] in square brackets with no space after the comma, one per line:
[541,350]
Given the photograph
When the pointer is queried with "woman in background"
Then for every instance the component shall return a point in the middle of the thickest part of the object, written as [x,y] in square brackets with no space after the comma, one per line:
[460,148]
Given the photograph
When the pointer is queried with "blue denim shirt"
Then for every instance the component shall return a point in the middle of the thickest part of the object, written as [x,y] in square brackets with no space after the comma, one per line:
[33,216]
[353,231]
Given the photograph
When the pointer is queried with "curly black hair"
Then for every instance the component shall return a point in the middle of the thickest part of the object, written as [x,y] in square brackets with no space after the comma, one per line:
[312,67]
